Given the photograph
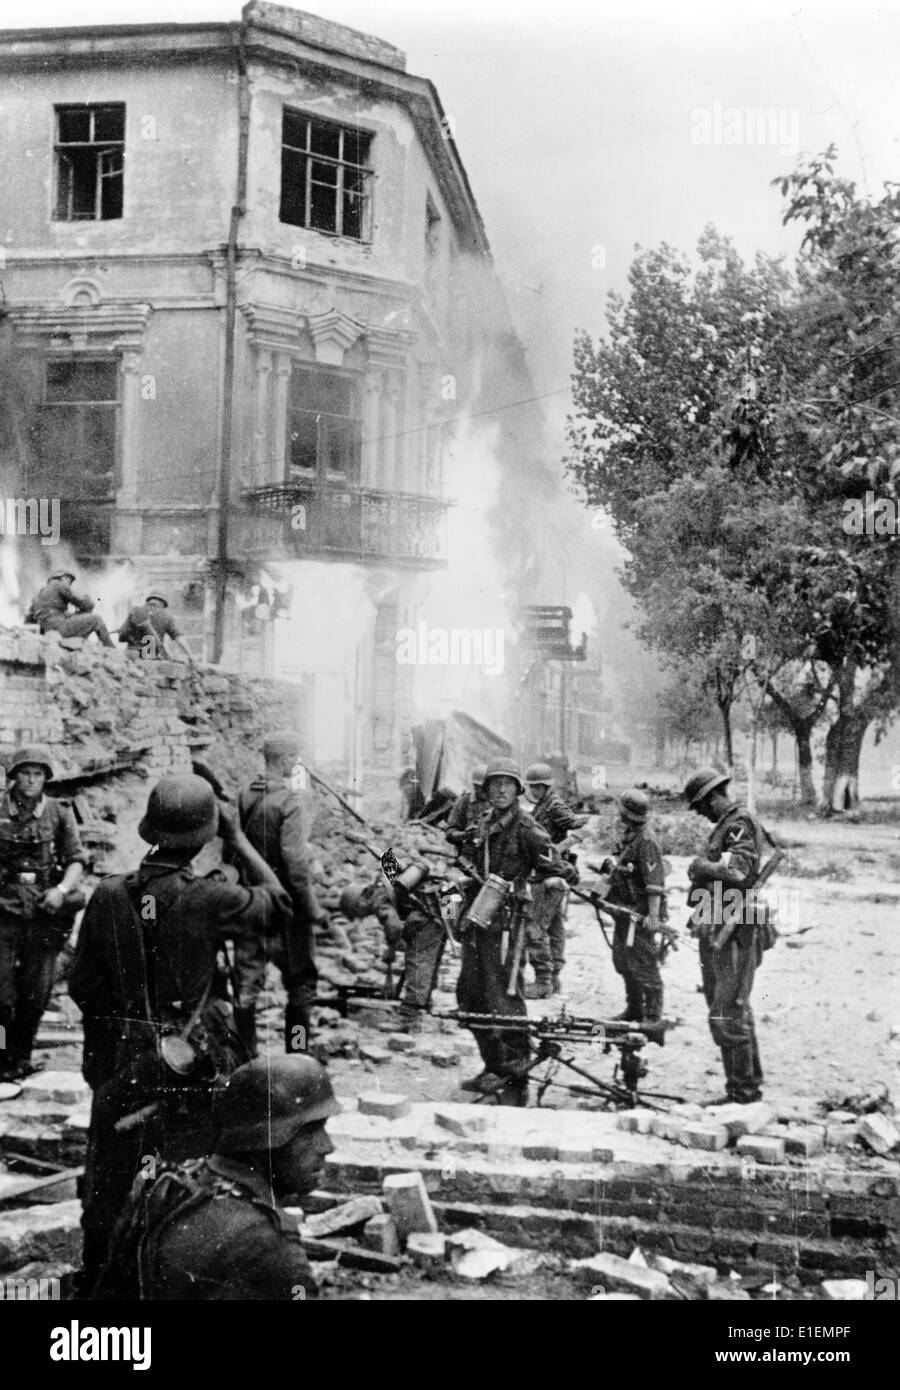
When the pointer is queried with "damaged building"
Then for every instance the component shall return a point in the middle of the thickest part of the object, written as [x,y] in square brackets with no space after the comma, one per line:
[248,298]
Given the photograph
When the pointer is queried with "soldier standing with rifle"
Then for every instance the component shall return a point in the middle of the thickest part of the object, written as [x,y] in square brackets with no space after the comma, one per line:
[731,942]
[506,849]
[637,883]
[468,808]
[272,818]
[547,921]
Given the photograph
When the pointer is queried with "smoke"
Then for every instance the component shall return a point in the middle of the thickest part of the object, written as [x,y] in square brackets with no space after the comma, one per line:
[25,570]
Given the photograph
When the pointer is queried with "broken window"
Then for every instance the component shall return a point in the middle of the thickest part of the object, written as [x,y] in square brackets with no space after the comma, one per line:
[324,176]
[324,426]
[90,158]
[77,429]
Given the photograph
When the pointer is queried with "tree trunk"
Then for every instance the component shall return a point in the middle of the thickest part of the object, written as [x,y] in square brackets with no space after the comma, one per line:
[751,770]
[843,745]
[803,739]
[774,755]
[725,711]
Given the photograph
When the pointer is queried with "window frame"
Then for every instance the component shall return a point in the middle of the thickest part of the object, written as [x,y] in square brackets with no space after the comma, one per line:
[103,149]
[115,405]
[311,156]
[322,476]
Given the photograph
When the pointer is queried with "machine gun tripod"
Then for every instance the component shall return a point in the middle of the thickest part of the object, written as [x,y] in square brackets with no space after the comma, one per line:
[555,1036]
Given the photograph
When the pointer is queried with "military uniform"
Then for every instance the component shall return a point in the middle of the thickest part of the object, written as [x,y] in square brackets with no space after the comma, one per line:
[36,847]
[145,630]
[50,610]
[209,1230]
[147,957]
[273,820]
[547,922]
[728,973]
[422,936]
[512,845]
[467,810]
[637,875]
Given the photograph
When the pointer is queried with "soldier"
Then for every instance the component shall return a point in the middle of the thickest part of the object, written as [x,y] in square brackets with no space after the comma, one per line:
[272,816]
[156,1041]
[146,628]
[214,1229]
[421,933]
[41,863]
[468,809]
[732,862]
[50,610]
[637,882]
[510,845]
[547,922]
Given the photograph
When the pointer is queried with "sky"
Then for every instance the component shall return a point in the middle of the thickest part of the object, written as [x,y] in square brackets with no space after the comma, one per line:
[590,126]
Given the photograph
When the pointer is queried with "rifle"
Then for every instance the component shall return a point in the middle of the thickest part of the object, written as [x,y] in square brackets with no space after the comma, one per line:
[627,917]
[762,877]
[552,1035]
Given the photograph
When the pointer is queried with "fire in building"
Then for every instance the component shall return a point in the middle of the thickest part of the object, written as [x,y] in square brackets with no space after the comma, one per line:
[248,300]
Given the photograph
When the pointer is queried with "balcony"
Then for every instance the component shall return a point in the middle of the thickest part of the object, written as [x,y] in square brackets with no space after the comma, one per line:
[364,525]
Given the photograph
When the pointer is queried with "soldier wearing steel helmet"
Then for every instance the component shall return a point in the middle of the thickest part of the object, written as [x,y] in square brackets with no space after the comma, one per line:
[149,626]
[510,845]
[732,861]
[145,969]
[274,820]
[41,863]
[547,920]
[214,1229]
[468,810]
[50,610]
[638,882]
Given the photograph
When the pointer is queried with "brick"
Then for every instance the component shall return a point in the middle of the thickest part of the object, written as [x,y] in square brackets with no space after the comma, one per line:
[762,1148]
[878,1133]
[463,1126]
[669,1127]
[40,1233]
[710,1136]
[578,1151]
[400,1042]
[409,1204]
[380,1234]
[428,1249]
[443,1057]
[839,1137]
[619,1276]
[389,1106]
[541,1146]
[844,1290]
[370,1052]
[742,1119]
[343,1218]
[804,1143]
[61,1087]
[635,1121]
[682,1272]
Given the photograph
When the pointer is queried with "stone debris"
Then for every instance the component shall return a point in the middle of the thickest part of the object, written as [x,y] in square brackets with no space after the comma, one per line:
[803,1143]
[635,1121]
[710,1137]
[427,1249]
[620,1276]
[41,1233]
[408,1202]
[878,1133]
[682,1272]
[370,1052]
[541,1146]
[844,1290]
[380,1234]
[356,1212]
[383,1103]
[462,1127]
[400,1042]
[762,1148]
[9,1090]
[637,1258]
[742,1119]
[839,1136]
[60,1087]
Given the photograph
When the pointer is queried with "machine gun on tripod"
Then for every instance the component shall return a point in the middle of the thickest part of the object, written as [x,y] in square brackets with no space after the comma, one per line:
[554,1036]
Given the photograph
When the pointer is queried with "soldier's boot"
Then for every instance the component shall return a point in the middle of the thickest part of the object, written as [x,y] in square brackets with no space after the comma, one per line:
[541,989]
[555,986]
[21,1039]
[296,1028]
[634,1003]
[245,1023]
[652,1015]
[483,1084]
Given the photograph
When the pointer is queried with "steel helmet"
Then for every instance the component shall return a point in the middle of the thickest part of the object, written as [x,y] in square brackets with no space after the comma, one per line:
[61,574]
[181,813]
[634,806]
[541,773]
[35,753]
[269,1099]
[478,772]
[702,783]
[504,767]
[160,598]
[351,898]
[283,743]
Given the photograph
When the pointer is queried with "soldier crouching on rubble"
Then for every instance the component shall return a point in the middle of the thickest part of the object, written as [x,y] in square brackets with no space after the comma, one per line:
[506,849]
[157,1040]
[214,1229]
[50,610]
[147,627]
[417,926]
[41,863]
